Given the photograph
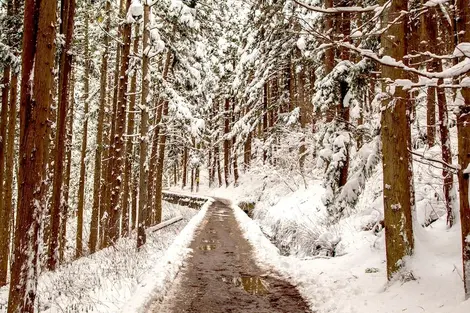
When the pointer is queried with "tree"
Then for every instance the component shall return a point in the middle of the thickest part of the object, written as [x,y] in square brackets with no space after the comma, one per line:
[117,151]
[463,120]
[130,142]
[66,28]
[86,101]
[37,62]
[145,102]
[397,167]
[97,195]
[226,141]
[4,214]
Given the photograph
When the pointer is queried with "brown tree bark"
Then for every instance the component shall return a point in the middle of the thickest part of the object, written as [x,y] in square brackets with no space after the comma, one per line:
[97,196]
[57,206]
[185,167]
[397,167]
[4,207]
[154,156]
[8,195]
[81,184]
[329,53]
[144,129]
[107,157]
[247,150]
[37,62]
[130,142]
[463,120]
[234,151]
[446,149]
[226,142]
[160,166]
[265,120]
[153,164]
[304,112]
[114,208]
[68,168]
[429,34]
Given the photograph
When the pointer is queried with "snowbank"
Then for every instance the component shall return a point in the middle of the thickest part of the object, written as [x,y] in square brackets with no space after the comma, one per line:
[158,279]
[118,277]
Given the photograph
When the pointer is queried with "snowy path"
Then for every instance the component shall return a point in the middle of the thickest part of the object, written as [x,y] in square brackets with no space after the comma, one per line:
[222,276]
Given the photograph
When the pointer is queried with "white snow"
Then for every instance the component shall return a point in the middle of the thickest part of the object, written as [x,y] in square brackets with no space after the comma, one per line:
[158,279]
[462,49]
[119,276]
[135,12]
[301,44]
[432,3]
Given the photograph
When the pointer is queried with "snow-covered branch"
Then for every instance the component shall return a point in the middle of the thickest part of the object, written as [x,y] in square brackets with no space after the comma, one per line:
[336,10]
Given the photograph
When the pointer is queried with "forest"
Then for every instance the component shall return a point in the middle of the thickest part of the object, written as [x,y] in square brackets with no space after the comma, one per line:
[341,127]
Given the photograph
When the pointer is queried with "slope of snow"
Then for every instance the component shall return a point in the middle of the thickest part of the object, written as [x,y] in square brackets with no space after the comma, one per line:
[356,281]
[158,279]
[118,276]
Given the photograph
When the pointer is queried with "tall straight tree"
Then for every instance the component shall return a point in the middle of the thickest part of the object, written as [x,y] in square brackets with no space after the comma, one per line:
[463,120]
[130,141]
[66,29]
[4,206]
[161,149]
[117,151]
[65,208]
[226,141]
[397,170]
[145,102]
[86,100]
[97,196]
[36,85]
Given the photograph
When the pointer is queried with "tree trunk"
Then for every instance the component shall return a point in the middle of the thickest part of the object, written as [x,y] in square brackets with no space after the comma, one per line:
[81,184]
[144,129]
[265,120]
[209,166]
[153,164]
[160,167]
[9,165]
[66,207]
[130,141]
[37,57]
[463,120]
[154,157]
[446,149]
[304,112]
[97,196]
[185,167]
[226,141]
[107,166]
[4,207]
[247,152]
[234,151]
[114,209]
[329,54]
[429,34]
[57,206]
[397,167]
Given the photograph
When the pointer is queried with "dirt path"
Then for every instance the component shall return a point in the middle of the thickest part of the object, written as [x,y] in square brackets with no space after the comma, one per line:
[221,275]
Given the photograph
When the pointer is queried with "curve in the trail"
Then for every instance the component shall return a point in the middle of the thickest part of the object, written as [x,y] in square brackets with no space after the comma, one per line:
[222,276]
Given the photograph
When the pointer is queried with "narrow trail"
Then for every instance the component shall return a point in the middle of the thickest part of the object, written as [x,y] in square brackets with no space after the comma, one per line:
[222,276]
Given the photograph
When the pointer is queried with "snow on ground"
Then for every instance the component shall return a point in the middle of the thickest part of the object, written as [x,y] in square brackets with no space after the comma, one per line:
[356,281]
[293,218]
[158,279]
[119,276]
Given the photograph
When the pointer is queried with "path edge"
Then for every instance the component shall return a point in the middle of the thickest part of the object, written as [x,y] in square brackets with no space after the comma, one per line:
[267,255]
[160,278]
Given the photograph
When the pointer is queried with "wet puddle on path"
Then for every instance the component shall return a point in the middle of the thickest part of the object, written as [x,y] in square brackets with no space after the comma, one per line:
[254,285]
[209,247]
